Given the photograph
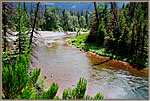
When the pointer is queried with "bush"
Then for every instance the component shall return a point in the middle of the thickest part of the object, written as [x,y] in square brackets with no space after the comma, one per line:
[17,83]
[79,92]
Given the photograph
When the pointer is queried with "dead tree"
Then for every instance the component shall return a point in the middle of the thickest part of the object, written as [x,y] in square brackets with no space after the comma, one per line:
[33,27]
[4,23]
[96,13]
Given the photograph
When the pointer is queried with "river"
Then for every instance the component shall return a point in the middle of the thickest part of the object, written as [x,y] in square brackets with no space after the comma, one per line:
[64,64]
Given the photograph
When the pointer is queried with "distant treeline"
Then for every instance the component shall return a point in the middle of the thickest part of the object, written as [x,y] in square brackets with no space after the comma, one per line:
[51,19]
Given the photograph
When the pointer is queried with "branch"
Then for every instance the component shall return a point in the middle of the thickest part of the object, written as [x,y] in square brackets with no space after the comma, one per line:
[16,91]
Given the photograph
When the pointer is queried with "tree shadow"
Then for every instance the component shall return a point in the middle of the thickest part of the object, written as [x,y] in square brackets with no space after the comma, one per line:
[101,62]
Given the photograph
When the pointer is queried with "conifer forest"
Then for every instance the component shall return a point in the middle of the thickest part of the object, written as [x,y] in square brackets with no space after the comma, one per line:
[74,50]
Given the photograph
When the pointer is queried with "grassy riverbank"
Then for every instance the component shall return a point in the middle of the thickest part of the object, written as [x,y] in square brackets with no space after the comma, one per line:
[79,42]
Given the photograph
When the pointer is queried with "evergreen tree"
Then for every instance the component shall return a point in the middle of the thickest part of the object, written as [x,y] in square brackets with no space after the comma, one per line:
[87,19]
[16,82]
[82,14]
[65,18]
[82,21]
[78,15]
[71,12]
[22,42]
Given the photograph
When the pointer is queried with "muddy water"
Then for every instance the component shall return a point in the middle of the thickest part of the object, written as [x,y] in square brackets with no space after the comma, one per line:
[64,65]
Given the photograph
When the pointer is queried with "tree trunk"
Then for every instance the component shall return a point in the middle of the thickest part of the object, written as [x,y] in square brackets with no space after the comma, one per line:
[96,13]
[143,40]
[116,19]
[34,23]
[132,42]
[138,38]
[131,10]
[4,28]
[24,5]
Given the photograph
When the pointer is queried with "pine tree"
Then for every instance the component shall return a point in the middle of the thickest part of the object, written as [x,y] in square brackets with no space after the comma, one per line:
[79,92]
[16,81]
[78,15]
[87,19]
[22,41]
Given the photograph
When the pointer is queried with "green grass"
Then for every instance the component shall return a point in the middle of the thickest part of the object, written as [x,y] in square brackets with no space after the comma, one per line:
[79,42]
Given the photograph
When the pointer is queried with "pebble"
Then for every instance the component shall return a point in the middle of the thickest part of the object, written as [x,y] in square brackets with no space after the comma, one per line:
[45,77]
[73,85]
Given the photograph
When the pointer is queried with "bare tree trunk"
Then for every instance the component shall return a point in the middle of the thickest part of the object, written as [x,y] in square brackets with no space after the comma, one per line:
[34,23]
[116,19]
[96,13]
[4,23]
[24,5]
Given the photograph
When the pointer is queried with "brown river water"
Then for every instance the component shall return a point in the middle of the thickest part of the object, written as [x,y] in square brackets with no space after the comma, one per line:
[65,64]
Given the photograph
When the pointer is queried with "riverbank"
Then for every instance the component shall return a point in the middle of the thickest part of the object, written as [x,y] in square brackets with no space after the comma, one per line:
[79,42]
[64,65]
[52,33]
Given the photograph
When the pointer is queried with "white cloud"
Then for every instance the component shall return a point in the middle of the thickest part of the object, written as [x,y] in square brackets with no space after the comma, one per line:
[47,3]
[74,6]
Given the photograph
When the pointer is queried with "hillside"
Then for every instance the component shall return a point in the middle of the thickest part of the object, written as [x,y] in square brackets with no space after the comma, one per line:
[70,6]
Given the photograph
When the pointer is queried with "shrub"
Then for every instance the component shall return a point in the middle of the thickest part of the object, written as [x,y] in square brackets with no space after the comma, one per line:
[17,83]
[79,92]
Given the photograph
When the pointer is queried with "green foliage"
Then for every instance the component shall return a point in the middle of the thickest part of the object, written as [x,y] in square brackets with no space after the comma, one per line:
[123,31]
[79,92]
[87,19]
[19,83]
[22,41]
[66,20]
[51,19]
[101,32]
[74,22]
[98,96]
[79,42]
[16,82]
[50,94]
[82,21]
[23,88]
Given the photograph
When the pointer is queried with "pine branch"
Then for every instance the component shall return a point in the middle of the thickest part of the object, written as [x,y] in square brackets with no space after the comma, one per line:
[16,91]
